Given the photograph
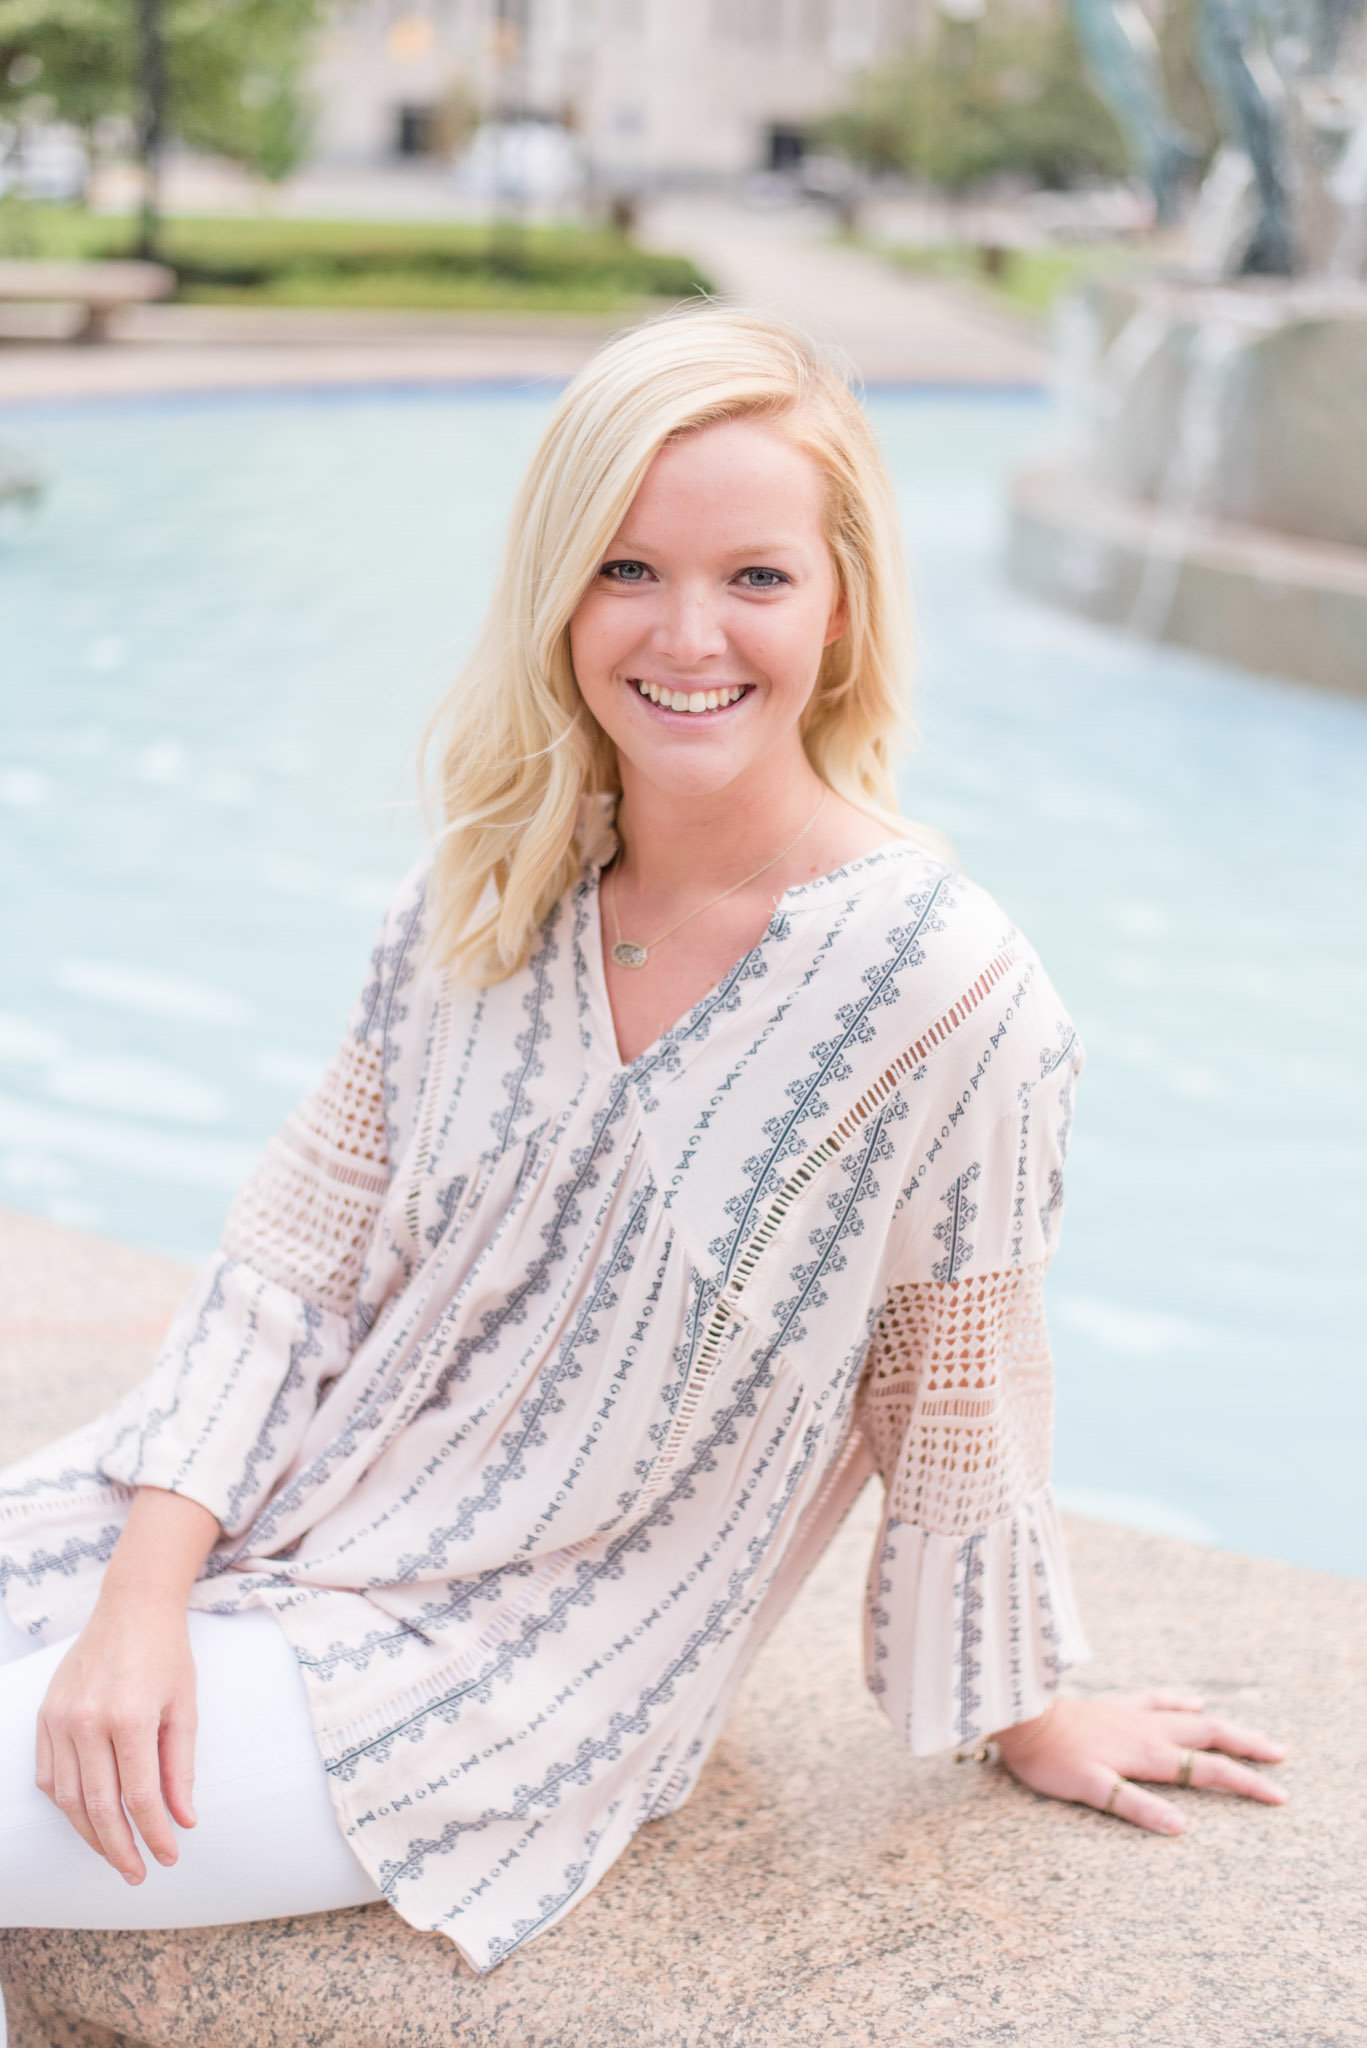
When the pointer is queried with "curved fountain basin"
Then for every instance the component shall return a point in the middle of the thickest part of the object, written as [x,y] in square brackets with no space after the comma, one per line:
[1218,495]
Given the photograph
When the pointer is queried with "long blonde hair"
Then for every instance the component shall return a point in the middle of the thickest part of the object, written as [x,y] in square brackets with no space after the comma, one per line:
[518,748]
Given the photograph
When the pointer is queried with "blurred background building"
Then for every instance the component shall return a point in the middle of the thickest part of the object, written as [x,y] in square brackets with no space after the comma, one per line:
[657,91]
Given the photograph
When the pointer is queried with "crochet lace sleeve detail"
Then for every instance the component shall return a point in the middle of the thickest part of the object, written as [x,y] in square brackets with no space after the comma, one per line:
[305,1215]
[957,1398]
[969,1614]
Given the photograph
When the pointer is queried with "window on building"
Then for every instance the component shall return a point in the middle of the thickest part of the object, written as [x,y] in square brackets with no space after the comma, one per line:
[787,146]
[416,131]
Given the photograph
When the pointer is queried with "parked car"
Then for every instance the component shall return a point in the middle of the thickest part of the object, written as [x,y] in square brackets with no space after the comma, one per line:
[534,163]
[43,163]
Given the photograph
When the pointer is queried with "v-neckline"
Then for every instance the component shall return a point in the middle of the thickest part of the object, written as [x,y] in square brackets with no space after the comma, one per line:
[599,1003]
[603,1026]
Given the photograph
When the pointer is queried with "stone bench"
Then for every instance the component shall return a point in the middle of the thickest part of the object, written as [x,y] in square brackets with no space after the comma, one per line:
[822,1887]
[99,289]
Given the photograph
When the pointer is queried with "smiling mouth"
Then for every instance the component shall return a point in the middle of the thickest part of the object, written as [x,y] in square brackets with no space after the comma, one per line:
[696,702]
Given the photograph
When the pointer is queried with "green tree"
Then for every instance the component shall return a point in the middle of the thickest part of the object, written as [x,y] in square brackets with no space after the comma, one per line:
[63,60]
[232,72]
[981,99]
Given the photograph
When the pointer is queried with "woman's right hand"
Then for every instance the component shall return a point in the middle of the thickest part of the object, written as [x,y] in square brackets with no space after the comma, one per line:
[116,1730]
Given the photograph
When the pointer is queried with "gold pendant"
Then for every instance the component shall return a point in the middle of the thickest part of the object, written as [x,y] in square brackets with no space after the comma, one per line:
[628,954]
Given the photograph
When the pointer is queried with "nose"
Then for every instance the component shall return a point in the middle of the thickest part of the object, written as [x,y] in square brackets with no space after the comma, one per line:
[688,627]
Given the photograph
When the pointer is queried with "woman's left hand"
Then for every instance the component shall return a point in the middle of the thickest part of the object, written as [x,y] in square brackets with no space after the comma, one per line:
[1092,1751]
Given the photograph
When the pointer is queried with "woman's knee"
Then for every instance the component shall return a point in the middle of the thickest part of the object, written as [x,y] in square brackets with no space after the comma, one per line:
[267,1841]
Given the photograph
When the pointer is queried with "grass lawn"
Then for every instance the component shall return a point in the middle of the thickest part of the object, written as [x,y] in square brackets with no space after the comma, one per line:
[1029,279]
[260,261]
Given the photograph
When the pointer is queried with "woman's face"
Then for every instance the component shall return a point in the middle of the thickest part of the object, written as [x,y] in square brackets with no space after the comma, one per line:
[698,643]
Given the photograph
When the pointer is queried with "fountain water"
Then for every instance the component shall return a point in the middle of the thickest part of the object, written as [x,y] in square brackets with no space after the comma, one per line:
[1218,493]
[20,482]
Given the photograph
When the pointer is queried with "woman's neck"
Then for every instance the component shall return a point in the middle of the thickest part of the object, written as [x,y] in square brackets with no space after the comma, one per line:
[675,843]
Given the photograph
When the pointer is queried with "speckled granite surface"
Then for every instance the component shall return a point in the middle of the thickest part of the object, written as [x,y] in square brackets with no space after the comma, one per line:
[80,1320]
[825,1888]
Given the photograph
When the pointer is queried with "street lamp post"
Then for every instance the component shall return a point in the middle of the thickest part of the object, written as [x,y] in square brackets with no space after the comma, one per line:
[507,241]
[151,122]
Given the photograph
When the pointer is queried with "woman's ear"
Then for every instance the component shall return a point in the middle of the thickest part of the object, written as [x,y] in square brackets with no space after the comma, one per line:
[838,620]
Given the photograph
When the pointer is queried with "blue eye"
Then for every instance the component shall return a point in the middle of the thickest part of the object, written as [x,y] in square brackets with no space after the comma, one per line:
[772,578]
[625,572]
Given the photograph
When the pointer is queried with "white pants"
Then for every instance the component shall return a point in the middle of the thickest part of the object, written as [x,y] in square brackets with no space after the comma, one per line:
[267,1841]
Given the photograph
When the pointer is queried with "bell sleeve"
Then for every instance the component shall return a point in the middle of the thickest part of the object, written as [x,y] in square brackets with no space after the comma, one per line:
[969,1612]
[269,1319]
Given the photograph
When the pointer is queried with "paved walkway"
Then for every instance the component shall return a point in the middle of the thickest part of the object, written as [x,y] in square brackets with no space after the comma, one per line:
[159,349]
[891,327]
[822,1888]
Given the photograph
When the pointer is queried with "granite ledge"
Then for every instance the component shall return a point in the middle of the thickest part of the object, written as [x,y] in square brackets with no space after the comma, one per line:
[822,1887]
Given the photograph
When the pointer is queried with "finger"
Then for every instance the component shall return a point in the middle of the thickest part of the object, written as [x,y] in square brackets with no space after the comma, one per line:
[1145,1809]
[1158,1702]
[44,1769]
[178,1764]
[1210,1733]
[1131,1802]
[1208,1768]
[139,1775]
[104,1808]
[66,1792]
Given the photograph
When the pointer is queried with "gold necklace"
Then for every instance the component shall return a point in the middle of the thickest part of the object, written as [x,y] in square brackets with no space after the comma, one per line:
[632,953]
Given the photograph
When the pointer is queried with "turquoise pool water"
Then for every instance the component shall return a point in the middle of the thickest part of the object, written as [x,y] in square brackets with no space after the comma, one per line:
[217,642]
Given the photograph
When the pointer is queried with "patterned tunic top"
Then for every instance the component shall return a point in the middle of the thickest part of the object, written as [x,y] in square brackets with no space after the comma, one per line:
[527,1385]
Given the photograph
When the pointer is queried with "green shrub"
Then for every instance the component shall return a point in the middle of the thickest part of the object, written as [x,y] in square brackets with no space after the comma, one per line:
[1030,280]
[253,260]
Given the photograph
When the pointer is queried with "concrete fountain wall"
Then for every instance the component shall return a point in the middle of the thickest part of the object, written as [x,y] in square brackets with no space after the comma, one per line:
[1217,494]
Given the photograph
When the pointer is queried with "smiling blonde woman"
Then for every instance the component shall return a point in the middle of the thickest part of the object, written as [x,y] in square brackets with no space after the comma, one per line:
[693,1152]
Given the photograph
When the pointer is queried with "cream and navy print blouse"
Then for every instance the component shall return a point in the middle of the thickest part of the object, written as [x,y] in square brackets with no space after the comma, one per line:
[527,1384]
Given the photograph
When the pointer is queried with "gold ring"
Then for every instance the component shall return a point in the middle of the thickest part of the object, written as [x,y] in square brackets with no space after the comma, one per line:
[1185,1761]
[1109,1807]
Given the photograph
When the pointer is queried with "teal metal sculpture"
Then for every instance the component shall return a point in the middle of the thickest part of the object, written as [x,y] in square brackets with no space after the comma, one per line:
[1287,88]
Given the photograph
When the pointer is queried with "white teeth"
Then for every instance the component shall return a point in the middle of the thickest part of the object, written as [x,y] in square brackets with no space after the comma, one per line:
[690,700]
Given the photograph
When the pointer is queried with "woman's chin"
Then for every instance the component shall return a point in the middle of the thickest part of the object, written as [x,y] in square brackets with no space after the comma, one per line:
[706,772]
[682,756]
